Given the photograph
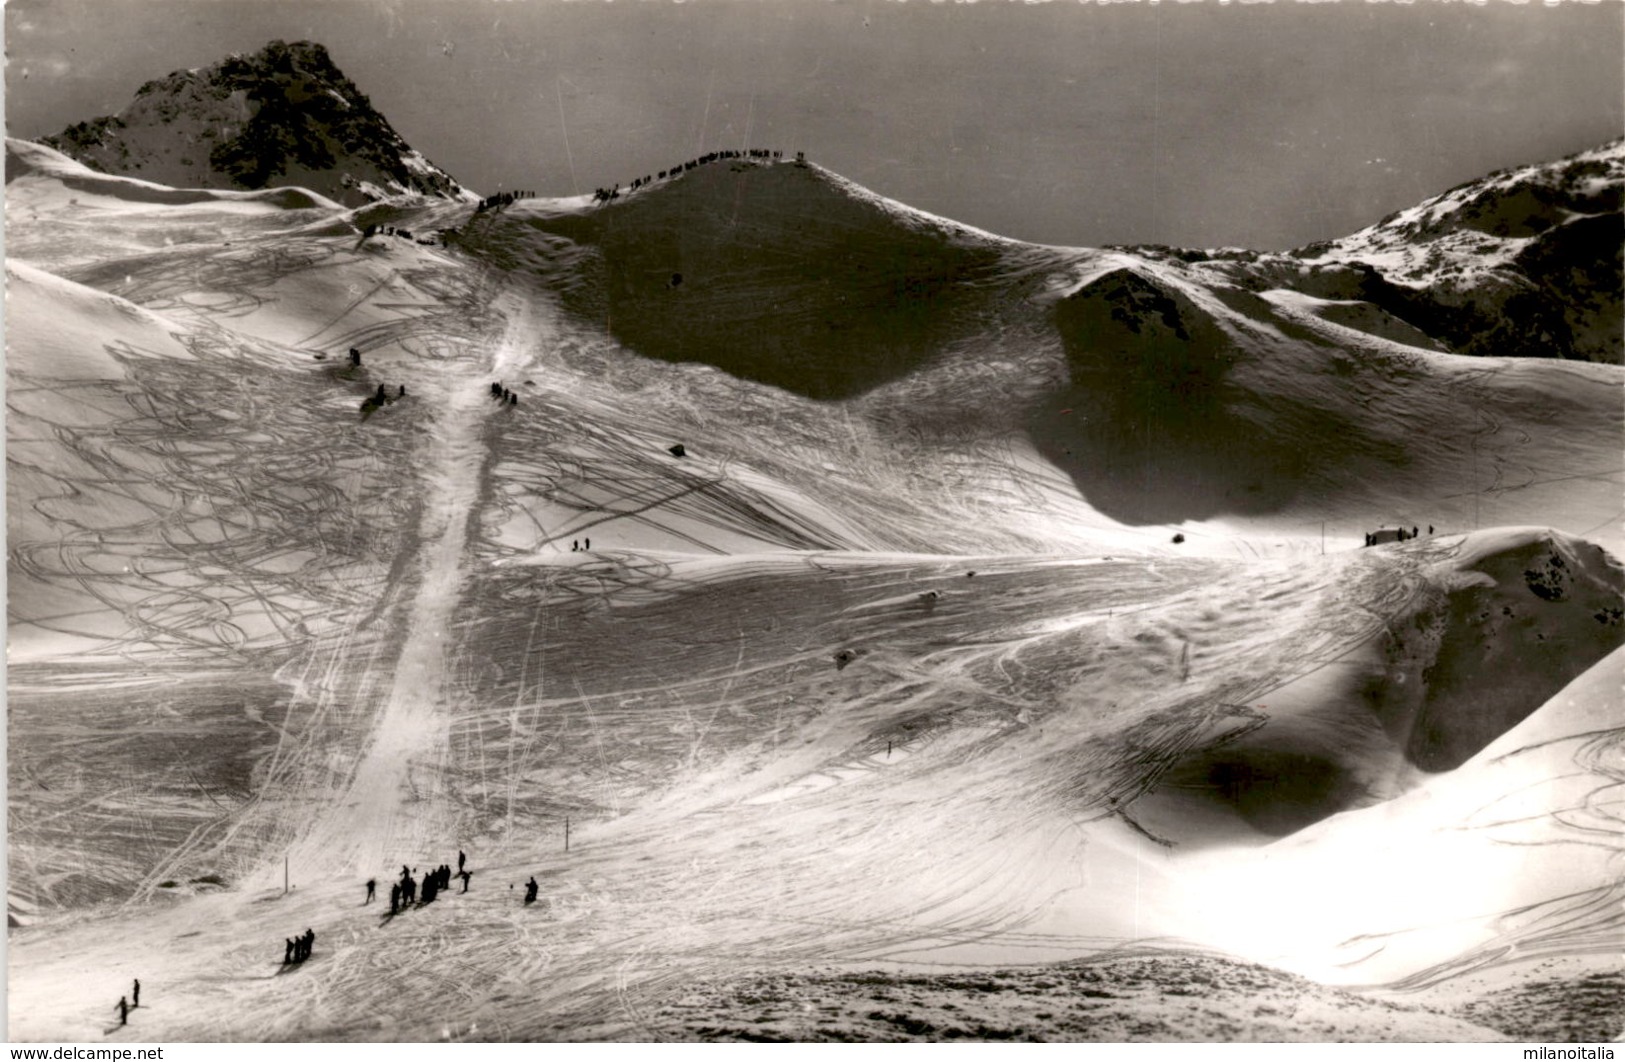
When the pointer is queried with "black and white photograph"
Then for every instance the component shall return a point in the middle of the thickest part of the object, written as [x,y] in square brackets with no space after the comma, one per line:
[647,521]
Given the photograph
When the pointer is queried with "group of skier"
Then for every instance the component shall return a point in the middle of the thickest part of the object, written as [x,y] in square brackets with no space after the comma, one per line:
[402,894]
[390,230]
[378,398]
[501,199]
[1373,538]
[128,1003]
[405,892]
[297,949]
[604,195]
[502,394]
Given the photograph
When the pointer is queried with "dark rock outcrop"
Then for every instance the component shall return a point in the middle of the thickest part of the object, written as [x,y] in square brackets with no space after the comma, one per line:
[285,115]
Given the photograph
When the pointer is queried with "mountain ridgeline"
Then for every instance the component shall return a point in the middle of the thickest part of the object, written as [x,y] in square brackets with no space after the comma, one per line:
[841,289]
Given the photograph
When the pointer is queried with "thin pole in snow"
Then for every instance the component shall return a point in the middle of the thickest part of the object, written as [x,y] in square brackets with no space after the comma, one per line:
[1476,495]
[1474,442]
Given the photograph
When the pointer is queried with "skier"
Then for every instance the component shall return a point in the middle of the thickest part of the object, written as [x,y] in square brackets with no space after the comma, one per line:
[465,875]
[372,890]
[123,1011]
[135,994]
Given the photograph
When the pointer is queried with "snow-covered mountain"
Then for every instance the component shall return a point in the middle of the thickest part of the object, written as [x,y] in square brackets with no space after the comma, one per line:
[1525,262]
[853,586]
[284,115]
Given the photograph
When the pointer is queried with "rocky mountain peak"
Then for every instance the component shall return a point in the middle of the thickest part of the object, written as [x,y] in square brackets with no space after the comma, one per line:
[285,115]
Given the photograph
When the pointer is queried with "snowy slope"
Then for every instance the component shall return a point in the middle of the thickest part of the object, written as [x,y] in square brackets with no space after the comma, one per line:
[782,275]
[897,664]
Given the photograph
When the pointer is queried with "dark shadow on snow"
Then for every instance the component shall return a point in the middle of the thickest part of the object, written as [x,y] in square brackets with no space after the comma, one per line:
[1155,426]
[777,274]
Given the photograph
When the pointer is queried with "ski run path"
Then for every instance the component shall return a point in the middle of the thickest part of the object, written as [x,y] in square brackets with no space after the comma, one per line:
[362,831]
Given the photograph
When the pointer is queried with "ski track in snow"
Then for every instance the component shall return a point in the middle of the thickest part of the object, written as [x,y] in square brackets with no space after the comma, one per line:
[959,790]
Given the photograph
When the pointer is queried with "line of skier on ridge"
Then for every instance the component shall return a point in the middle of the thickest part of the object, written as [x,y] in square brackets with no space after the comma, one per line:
[604,195]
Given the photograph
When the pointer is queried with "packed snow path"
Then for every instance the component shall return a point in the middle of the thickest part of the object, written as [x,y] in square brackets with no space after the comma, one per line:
[365,828]
[859,681]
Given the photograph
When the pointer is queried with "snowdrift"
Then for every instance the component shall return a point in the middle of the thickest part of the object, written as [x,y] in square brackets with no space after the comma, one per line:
[1167,388]
[1162,421]
[1510,859]
[1480,642]
[61,331]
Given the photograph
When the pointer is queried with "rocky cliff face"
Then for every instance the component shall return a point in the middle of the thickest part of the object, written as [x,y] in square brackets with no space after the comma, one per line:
[285,115]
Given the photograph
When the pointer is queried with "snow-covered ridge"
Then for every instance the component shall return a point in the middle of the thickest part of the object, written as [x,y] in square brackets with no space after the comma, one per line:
[27,159]
[1514,203]
[1542,239]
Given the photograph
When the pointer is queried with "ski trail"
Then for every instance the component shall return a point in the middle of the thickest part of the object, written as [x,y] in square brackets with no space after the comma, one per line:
[391,811]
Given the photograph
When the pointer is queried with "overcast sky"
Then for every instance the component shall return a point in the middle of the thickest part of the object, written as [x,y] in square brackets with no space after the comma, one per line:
[1260,125]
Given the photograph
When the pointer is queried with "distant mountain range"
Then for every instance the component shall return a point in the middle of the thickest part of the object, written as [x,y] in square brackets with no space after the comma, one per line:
[283,116]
